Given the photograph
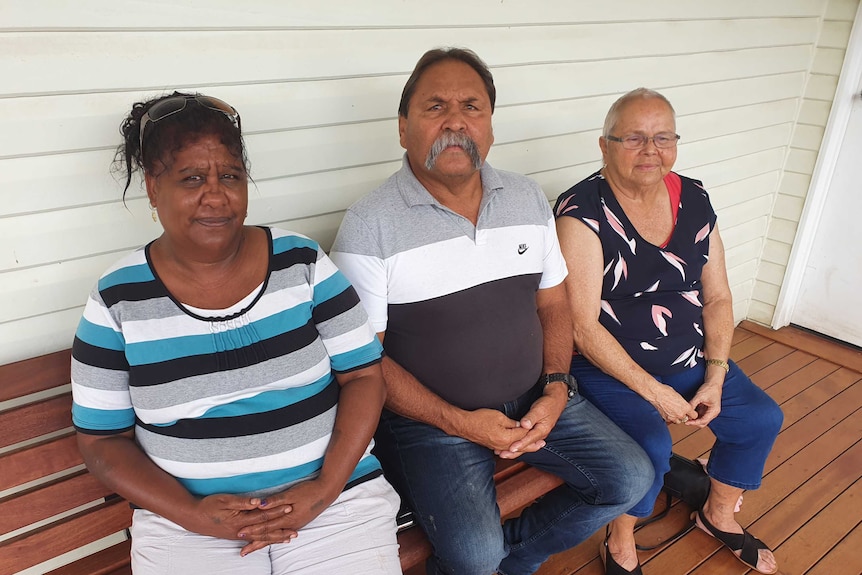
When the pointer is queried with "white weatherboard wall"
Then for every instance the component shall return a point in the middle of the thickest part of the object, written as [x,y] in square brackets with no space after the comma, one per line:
[799,166]
[317,85]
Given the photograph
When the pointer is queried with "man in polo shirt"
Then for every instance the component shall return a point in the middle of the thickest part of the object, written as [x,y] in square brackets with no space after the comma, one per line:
[459,268]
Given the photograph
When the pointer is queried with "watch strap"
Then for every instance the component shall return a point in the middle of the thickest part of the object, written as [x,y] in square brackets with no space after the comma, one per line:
[566,378]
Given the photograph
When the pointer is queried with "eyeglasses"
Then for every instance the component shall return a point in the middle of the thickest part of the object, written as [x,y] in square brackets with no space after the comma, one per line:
[637,141]
[174,104]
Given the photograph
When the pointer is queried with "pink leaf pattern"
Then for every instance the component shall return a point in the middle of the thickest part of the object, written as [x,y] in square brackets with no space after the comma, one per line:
[675,261]
[608,268]
[606,307]
[617,226]
[691,297]
[647,347]
[561,209]
[592,223]
[658,318]
[689,356]
[702,234]
[697,329]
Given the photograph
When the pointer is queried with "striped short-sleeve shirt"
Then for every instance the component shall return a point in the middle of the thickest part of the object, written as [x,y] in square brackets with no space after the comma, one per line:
[243,402]
[457,301]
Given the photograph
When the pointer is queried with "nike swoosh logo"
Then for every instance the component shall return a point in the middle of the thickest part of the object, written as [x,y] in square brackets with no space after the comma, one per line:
[521,250]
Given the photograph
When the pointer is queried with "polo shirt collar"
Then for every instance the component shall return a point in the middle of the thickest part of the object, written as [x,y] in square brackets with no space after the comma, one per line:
[415,194]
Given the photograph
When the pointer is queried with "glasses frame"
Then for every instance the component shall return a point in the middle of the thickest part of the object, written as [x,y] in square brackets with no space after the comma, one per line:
[646,140]
[205,101]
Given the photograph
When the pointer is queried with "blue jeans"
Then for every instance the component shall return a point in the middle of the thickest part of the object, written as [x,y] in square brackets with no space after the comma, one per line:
[449,483]
[745,429]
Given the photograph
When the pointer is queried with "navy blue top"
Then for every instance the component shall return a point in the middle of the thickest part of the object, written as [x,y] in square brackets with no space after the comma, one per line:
[652,300]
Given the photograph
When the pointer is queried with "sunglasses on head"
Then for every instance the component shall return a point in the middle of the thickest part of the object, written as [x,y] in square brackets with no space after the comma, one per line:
[173,104]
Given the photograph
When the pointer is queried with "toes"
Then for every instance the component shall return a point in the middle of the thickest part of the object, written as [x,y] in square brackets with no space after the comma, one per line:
[766,562]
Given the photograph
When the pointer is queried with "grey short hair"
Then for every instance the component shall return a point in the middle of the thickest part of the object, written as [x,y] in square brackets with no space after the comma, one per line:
[642,93]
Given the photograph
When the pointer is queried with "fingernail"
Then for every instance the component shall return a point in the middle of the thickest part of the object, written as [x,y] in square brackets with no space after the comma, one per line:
[242,535]
[263,502]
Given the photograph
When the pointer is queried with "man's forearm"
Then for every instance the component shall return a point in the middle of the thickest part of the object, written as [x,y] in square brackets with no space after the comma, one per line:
[408,397]
[556,320]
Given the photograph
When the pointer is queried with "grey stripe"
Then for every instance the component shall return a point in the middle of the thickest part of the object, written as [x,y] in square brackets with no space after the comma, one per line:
[254,376]
[150,309]
[96,377]
[347,321]
[236,448]
[291,277]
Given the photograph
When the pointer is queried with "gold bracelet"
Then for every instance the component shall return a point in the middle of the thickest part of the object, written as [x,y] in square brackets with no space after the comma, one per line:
[720,363]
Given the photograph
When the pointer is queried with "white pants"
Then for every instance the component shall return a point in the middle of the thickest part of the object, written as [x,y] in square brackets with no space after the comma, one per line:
[356,534]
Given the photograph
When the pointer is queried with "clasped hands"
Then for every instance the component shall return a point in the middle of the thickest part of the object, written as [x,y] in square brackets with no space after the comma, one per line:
[699,412]
[510,438]
[276,518]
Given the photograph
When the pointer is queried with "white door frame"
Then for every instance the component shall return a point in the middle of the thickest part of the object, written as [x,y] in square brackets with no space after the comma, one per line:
[836,126]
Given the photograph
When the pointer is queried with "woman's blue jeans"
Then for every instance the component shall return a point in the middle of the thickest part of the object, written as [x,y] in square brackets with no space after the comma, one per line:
[449,483]
[745,429]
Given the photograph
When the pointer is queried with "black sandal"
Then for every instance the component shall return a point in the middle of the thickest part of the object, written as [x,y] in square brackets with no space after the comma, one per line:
[748,544]
[611,566]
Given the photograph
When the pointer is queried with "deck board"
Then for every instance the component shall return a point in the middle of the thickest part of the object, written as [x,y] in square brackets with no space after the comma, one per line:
[807,508]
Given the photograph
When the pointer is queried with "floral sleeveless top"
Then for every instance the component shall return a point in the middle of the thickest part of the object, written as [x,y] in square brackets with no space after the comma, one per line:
[652,300]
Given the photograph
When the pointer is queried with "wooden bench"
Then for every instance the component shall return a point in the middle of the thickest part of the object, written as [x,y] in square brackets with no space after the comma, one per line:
[50,506]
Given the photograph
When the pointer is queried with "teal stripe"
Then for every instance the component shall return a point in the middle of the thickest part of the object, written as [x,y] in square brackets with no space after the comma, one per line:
[100,336]
[269,400]
[330,287]
[251,481]
[102,419]
[155,351]
[369,352]
[365,466]
[128,275]
[287,243]
[267,479]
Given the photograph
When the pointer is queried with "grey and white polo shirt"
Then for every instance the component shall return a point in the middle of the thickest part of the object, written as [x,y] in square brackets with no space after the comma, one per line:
[457,302]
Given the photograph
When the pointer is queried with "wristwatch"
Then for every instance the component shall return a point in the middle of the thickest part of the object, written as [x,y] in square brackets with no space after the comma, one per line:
[566,378]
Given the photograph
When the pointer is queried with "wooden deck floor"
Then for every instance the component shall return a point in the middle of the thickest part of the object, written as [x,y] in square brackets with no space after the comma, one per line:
[808,508]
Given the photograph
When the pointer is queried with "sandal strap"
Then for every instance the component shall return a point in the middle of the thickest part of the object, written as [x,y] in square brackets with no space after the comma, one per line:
[747,544]
[750,549]
[734,541]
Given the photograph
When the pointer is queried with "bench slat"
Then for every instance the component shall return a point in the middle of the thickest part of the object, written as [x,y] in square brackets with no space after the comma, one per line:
[111,561]
[36,419]
[80,529]
[35,505]
[34,462]
[523,488]
[37,374]
[414,547]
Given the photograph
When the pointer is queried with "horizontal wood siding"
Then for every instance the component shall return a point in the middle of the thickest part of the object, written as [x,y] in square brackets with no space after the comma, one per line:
[318,84]
[808,130]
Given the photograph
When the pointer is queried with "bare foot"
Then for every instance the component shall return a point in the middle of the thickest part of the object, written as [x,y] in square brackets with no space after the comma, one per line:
[625,556]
